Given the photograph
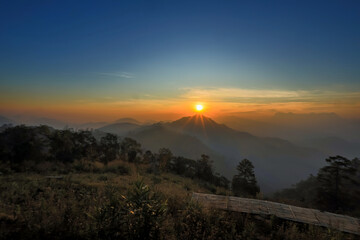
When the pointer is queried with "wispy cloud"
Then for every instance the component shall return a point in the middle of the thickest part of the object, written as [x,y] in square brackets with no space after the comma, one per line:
[126,75]
[241,95]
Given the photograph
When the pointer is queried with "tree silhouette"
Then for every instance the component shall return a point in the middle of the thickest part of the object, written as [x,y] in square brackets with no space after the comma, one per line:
[109,148]
[129,149]
[63,146]
[85,145]
[333,179]
[204,168]
[165,156]
[22,143]
[148,157]
[244,183]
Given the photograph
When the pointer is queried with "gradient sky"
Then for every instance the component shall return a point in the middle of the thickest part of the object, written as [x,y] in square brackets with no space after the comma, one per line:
[100,60]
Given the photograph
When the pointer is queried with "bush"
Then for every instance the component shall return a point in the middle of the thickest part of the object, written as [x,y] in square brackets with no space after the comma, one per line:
[146,212]
[139,215]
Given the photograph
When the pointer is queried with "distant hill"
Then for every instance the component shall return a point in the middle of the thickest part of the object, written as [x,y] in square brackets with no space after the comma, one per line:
[50,122]
[159,136]
[278,163]
[128,120]
[121,129]
[36,121]
[298,127]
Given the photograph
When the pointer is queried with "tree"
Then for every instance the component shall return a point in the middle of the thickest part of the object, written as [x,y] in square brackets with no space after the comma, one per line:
[109,148]
[204,168]
[244,183]
[129,149]
[221,181]
[22,143]
[165,156]
[85,145]
[334,180]
[178,165]
[148,157]
[63,146]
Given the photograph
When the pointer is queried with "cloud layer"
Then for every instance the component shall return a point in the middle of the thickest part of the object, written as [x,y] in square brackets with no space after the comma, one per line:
[240,95]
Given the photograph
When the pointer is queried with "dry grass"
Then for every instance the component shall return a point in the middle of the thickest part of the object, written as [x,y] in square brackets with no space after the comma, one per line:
[33,206]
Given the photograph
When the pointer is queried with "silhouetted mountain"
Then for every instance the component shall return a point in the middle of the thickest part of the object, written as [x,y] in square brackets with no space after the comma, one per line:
[119,128]
[36,121]
[50,122]
[277,162]
[159,136]
[298,127]
[128,120]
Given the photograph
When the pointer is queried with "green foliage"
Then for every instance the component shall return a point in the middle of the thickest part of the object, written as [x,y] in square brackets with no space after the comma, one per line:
[138,215]
[146,212]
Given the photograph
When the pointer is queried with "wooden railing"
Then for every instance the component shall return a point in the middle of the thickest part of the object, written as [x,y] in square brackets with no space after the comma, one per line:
[288,212]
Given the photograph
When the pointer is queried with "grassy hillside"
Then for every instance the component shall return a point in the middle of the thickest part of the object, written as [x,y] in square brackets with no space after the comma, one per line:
[93,201]
[65,184]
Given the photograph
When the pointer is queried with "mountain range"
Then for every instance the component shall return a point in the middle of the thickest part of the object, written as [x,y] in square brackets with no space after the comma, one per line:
[279,162]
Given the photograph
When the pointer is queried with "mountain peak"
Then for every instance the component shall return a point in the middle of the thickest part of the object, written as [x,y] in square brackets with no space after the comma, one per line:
[197,119]
[197,125]
[127,120]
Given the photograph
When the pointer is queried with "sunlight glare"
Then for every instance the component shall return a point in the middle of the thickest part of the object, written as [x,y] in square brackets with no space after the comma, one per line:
[199,107]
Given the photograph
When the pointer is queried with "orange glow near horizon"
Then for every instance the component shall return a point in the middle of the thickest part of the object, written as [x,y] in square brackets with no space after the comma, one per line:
[164,109]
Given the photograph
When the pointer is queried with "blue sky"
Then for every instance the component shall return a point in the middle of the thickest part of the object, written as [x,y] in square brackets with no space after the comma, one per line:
[93,51]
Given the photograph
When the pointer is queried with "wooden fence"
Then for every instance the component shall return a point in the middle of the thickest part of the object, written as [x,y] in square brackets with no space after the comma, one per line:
[288,212]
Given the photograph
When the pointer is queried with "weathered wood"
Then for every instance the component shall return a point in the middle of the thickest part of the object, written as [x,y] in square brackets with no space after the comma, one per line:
[288,212]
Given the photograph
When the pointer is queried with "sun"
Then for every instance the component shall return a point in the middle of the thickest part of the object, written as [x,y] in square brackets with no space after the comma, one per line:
[199,107]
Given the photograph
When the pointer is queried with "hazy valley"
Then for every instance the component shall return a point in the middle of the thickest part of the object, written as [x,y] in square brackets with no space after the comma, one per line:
[284,150]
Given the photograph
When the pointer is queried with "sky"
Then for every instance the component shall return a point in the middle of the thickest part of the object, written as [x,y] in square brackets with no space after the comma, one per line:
[101,60]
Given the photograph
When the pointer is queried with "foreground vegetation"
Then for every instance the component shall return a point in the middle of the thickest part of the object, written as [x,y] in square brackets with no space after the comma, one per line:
[108,205]
[335,188]
[65,184]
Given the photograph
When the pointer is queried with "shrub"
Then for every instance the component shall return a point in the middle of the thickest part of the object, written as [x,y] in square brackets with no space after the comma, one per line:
[146,212]
[139,215]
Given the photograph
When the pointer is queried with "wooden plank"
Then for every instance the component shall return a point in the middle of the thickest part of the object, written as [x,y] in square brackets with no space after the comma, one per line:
[292,213]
